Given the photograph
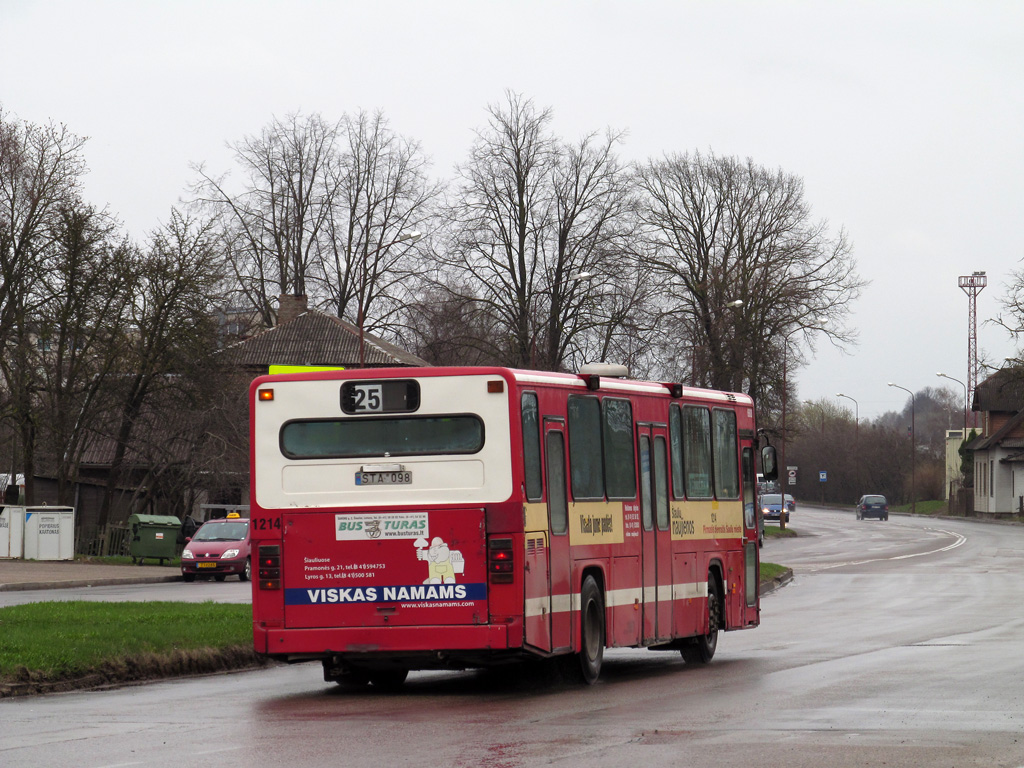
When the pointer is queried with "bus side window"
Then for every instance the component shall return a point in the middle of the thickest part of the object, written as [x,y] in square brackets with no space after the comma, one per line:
[586,471]
[697,452]
[727,472]
[531,446]
[675,437]
[619,459]
[557,503]
[660,484]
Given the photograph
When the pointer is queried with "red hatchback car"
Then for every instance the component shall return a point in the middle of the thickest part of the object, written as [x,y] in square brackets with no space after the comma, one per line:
[218,549]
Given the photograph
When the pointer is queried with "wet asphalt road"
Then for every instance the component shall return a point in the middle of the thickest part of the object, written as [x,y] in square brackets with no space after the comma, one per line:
[897,643]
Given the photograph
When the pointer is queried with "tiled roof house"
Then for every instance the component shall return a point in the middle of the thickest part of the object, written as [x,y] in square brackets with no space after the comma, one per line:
[999,450]
[309,337]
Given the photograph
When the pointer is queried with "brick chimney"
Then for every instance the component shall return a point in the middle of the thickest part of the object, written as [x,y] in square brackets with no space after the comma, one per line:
[290,307]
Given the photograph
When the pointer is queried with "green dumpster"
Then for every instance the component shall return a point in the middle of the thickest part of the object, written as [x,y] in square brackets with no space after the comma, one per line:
[153,536]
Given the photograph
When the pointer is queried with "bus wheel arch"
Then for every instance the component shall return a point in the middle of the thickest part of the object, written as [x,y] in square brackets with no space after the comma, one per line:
[701,649]
[585,665]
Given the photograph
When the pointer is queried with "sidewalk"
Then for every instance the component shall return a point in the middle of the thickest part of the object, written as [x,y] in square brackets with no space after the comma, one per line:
[62,574]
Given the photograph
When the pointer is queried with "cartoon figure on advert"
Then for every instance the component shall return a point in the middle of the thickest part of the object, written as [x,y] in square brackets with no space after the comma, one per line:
[443,563]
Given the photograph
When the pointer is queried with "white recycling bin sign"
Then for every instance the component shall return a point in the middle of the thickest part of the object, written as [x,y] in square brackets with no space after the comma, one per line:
[49,533]
[12,531]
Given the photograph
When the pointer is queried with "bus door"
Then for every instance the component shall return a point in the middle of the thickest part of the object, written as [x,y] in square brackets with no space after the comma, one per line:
[654,532]
[752,523]
[559,559]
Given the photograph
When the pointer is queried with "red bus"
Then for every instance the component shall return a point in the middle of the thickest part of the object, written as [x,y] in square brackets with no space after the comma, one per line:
[424,518]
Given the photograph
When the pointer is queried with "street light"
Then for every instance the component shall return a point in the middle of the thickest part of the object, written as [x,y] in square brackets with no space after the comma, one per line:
[944,376]
[785,389]
[913,449]
[856,406]
[821,412]
[403,237]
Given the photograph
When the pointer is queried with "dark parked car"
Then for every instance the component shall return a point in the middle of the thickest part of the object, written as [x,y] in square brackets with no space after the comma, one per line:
[771,507]
[872,505]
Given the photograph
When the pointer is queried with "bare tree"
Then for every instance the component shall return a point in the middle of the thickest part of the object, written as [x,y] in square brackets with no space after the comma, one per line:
[1012,317]
[532,223]
[723,231]
[172,326]
[272,226]
[80,313]
[40,169]
[383,196]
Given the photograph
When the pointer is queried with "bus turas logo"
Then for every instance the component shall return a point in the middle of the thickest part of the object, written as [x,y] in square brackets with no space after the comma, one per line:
[388,525]
[442,563]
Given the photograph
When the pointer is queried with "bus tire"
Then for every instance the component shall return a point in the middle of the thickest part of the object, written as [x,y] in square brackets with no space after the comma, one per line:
[585,666]
[388,679]
[345,677]
[700,650]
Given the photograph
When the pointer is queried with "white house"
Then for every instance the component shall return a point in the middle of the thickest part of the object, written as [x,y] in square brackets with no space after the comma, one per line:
[999,450]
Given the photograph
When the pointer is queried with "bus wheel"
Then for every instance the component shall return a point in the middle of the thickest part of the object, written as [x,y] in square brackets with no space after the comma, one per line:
[388,679]
[585,666]
[702,649]
[346,677]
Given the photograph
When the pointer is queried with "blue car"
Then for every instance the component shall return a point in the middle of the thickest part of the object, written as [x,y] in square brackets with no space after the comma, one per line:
[872,505]
[771,507]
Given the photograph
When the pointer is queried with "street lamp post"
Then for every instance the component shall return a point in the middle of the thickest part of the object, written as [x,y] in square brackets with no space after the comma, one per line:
[913,449]
[403,237]
[785,390]
[856,411]
[944,376]
[856,435]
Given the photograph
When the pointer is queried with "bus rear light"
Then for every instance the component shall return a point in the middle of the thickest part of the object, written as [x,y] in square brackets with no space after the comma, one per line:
[500,561]
[266,394]
[270,566]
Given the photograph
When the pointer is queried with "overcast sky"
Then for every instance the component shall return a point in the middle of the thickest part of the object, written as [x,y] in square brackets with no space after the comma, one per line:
[905,119]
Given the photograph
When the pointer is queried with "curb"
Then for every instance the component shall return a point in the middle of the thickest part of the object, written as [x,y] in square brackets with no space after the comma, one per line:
[767,587]
[22,586]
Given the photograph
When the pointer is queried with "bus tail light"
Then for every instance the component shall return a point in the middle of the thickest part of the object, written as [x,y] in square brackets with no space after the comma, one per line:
[270,566]
[500,560]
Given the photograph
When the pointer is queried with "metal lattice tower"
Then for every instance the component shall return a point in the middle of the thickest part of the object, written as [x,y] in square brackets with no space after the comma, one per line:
[972,285]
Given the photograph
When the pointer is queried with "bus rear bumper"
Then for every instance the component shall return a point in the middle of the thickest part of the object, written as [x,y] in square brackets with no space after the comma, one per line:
[323,642]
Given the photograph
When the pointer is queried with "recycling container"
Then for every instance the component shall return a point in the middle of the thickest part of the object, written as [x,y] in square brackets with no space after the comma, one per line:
[49,533]
[153,536]
[12,531]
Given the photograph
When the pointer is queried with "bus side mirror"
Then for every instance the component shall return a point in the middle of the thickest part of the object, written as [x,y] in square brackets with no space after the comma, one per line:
[769,463]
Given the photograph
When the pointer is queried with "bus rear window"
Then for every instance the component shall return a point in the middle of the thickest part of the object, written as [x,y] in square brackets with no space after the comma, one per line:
[376,438]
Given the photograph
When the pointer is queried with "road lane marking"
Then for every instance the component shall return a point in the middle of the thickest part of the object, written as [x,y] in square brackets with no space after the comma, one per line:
[960,539]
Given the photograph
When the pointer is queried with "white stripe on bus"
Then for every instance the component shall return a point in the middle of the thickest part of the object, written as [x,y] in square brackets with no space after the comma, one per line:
[617,598]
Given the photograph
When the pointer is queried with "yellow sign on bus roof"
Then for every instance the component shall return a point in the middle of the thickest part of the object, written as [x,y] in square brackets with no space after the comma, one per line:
[276,369]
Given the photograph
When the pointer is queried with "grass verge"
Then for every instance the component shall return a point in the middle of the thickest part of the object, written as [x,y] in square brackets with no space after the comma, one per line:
[57,646]
[771,571]
[776,532]
[934,507]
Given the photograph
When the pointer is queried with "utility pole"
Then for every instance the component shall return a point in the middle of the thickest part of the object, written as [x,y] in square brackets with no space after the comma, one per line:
[972,285]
